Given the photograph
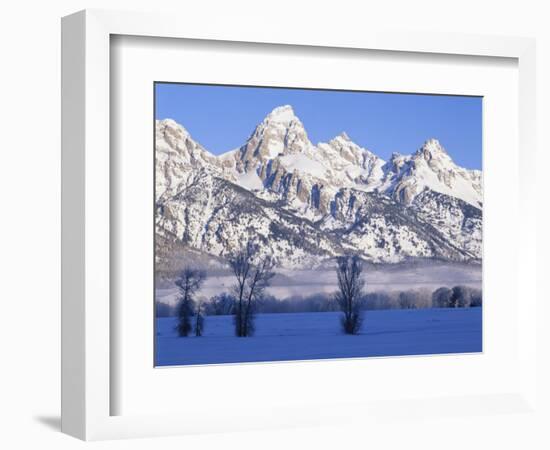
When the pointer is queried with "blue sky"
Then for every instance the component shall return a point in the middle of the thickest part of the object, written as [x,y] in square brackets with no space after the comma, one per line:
[222,117]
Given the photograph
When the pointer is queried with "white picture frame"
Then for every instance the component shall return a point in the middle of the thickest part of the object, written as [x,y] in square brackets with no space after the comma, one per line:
[87,355]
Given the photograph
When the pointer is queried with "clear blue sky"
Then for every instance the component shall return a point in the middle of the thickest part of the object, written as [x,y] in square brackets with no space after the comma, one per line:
[222,117]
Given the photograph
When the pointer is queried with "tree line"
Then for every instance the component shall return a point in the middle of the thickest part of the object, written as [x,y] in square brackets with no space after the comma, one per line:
[443,297]
[252,274]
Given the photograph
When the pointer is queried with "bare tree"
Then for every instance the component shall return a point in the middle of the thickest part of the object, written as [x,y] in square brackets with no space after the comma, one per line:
[189,282]
[349,270]
[199,321]
[253,274]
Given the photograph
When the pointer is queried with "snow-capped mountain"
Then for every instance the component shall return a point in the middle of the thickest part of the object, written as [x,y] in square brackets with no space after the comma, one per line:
[307,203]
[430,168]
[280,160]
[177,156]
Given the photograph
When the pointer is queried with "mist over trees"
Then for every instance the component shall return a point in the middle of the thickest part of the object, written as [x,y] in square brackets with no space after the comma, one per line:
[441,298]
[349,271]
[220,305]
[457,297]
[252,273]
[224,303]
[319,302]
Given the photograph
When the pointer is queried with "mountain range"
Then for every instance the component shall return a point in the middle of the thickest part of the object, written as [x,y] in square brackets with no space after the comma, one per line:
[307,203]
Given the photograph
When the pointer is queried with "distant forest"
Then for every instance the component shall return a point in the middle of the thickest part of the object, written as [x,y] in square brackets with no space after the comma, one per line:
[443,297]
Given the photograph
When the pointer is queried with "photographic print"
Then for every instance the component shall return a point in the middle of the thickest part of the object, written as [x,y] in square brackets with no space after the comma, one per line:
[300,224]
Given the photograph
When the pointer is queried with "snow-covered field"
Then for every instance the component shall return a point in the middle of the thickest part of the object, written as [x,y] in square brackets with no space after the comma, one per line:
[306,336]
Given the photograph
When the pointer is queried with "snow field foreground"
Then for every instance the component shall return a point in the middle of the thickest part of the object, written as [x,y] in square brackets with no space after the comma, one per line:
[309,336]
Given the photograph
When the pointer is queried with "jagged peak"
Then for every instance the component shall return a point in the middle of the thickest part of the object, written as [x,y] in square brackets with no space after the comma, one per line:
[172,124]
[432,147]
[168,122]
[344,136]
[282,114]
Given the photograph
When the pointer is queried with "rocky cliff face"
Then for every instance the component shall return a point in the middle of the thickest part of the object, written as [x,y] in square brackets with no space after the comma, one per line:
[307,203]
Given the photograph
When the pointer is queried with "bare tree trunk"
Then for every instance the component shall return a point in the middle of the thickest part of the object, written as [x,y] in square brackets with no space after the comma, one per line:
[199,322]
[251,282]
[189,282]
[350,284]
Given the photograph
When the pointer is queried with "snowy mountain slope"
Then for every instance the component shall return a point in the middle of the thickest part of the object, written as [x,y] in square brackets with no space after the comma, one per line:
[430,167]
[280,155]
[387,231]
[216,216]
[311,202]
[177,155]
[460,222]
